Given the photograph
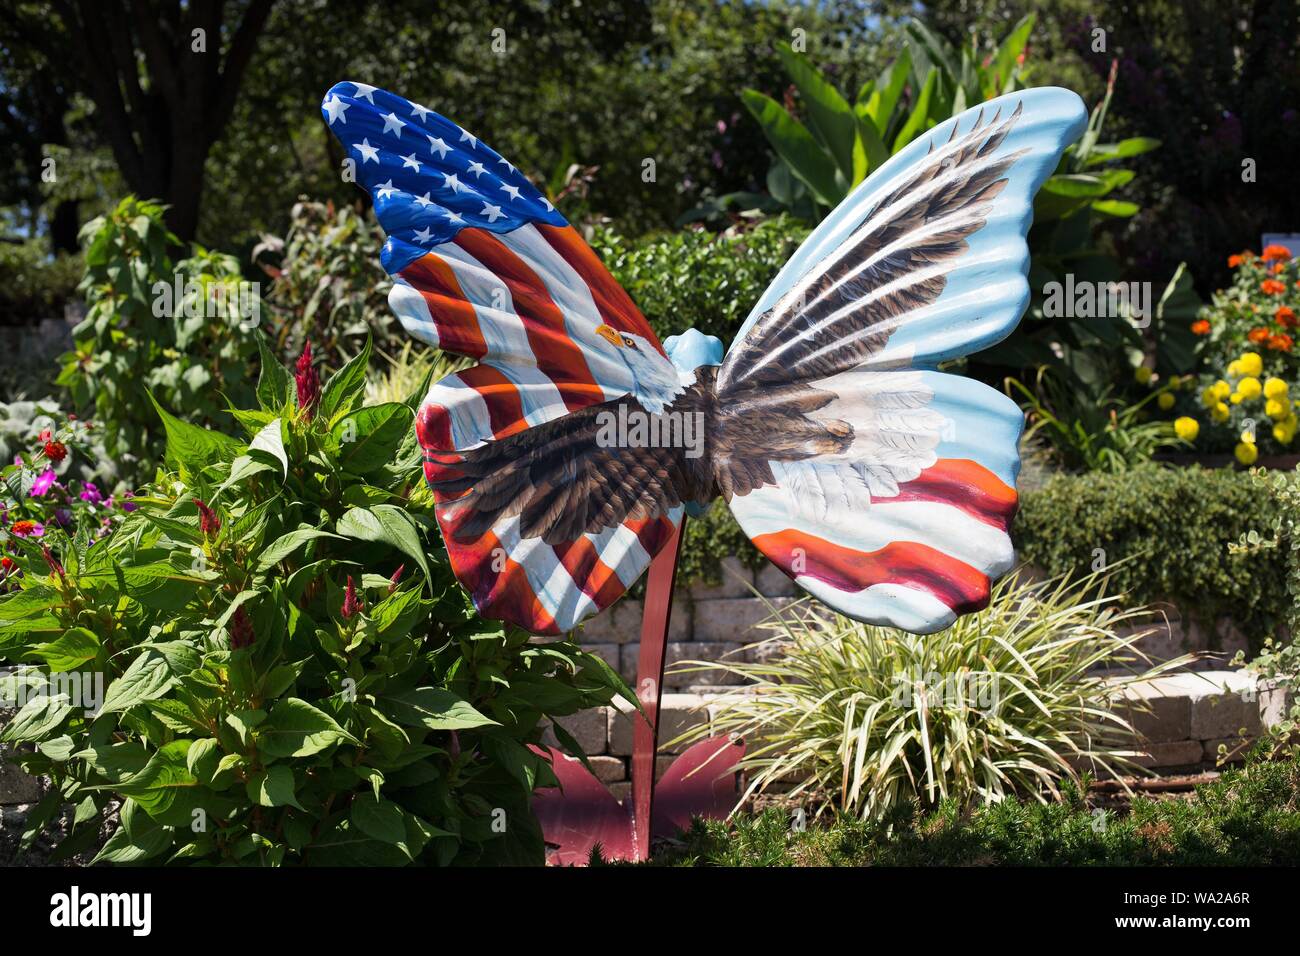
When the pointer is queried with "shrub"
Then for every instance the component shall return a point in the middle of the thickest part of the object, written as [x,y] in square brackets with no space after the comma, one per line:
[329,286]
[1248,817]
[138,337]
[700,279]
[287,675]
[1000,703]
[1164,534]
[34,284]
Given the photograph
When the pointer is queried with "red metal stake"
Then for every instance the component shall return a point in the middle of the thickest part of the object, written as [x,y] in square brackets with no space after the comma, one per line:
[649,688]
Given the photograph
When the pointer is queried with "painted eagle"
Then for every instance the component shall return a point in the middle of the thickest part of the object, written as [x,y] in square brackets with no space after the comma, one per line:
[881,485]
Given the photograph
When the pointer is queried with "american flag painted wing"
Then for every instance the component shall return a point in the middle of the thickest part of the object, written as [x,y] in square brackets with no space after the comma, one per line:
[925,261]
[485,267]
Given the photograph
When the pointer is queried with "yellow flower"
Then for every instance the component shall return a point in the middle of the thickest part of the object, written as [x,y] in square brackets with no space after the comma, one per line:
[1283,432]
[1165,401]
[1222,389]
[1234,369]
[1246,453]
[1276,410]
[1187,428]
[1251,363]
[1142,374]
[1250,388]
[1236,398]
[1220,413]
[1210,396]
[1275,388]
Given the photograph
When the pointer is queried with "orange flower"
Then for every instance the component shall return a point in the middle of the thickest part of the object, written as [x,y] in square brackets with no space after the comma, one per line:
[1280,342]
[1275,253]
[1278,268]
[1234,261]
[1272,287]
[1285,316]
[1258,336]
[1201,327]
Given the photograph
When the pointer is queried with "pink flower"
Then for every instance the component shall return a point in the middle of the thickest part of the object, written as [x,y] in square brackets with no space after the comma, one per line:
[27,529]
[43,483]
[351,604]
[397,576]
[90,492]
[307,381]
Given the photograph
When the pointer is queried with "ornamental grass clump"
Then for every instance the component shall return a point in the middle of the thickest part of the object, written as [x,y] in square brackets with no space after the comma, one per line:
[1015,699]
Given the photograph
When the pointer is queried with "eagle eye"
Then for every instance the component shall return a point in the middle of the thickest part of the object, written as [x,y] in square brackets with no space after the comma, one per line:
[627,340]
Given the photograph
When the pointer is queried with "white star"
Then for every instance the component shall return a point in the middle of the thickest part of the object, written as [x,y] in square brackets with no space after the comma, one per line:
[476,168]
[335,107]
[423,201]
[368,153]
[492,212]
[512,190]
[385,190]
[465,135]
[436,145]
[365,92]
[411,161]
[454,217]
[391,122]
[424,235]
[507,162]
[547,204]
[450,181]
[421,111]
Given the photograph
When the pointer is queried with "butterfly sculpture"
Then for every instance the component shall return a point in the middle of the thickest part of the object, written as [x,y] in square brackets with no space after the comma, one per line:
[882,486]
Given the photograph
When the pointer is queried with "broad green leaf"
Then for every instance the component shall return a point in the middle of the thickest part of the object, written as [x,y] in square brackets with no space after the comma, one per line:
[378,818]
[829,114]
[1125,148]
[273,787]
[369,437]
[274,386]
[387,524]
[155,787]
[297,729]
[435,708]
[795,146]
[916,121]
[344,387]
[1004,65]
[884,93]
[148,678]
[192,447]
[285,545]
[37,719]
[76,647]
[270,441]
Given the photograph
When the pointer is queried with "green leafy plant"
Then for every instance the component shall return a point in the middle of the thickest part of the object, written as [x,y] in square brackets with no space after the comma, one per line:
[279,667]
[140,338]
[1247,817]
[1005,701]
[1164,533]
[328,285]
[700,279]
[1081,434]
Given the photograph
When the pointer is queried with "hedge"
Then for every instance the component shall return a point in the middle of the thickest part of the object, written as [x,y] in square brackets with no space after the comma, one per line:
[1174,524]
[1248,817]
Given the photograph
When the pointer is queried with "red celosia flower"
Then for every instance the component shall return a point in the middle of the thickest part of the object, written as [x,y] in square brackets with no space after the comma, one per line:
[397,576]
[7,565]
[1201,327]
[56,451]
[351,603]
[241,630]
[1272,287]
[307,381]
[1280,342]
[209,523]
[1285,316]
[53,562]
[1258,336]
[1275,253]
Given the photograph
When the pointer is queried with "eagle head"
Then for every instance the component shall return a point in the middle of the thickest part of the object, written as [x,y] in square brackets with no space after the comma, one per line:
[655,382]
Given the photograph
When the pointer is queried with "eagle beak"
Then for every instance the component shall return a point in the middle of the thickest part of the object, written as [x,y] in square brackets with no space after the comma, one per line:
[609,335]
